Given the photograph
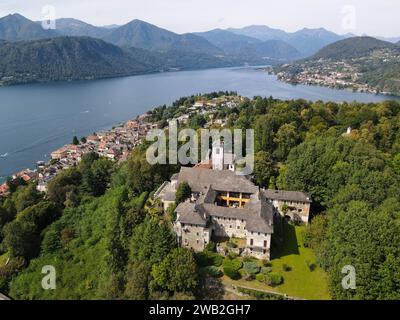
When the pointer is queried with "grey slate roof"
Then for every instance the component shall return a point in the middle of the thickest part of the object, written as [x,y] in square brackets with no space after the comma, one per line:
[295,196]
[200,179]
[169,196]
[264,220]
[189,214]
[258,213]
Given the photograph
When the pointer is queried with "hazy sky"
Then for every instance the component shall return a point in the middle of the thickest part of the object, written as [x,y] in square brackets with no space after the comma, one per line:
[372,17]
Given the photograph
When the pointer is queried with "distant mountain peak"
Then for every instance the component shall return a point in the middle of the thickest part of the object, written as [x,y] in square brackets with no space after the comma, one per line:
[15,27]
[75,27]
[352,48]
[307,40]
[142,34]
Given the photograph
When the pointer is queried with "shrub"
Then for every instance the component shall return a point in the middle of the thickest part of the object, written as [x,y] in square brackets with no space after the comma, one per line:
[232,255]
[251,268]
[249,277]
[217,260]
[205,259]
[236,264]
[274,279]
[286,268]
[311,266]
[231,244]
[307,238]
[266,270]
[211,247]
[232,267]
[261,278]
[232,273]
[248,258]
[267,263]
[213,271]
[201,259]
[184,192]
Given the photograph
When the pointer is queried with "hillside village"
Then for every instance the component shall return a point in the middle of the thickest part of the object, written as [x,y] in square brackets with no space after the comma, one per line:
[115,144]
[354,73]
[223,204]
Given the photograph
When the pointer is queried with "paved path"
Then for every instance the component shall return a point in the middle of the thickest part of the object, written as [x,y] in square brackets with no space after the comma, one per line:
[233,289]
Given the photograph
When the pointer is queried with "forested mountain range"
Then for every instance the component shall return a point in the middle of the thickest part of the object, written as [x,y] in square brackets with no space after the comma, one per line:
[74,27]
[70,58]
[353,48]
[306,41]
[15,27]
[250,49]
[147,48]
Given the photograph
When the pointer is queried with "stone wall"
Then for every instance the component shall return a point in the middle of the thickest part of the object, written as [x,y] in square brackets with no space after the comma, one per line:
[228,227]
[261,244]
[297,210]
[194,237]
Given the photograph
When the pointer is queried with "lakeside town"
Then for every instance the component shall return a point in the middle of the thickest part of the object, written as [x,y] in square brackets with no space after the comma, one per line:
[115,144]
[327,75]
[351,73]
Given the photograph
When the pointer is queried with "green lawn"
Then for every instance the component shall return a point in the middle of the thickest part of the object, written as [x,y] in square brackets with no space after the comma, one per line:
[300,282]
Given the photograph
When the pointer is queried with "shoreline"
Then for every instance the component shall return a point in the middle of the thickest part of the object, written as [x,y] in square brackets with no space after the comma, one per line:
[115,144]
[368,90]
[259,69]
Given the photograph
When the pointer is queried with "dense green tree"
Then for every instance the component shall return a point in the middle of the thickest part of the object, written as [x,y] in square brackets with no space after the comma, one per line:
[285,139]
[368,240]
[264,133]
[8,271]
[72,198]
[260,105]
[96,178]
[138,279]
[176,272]
[75,141]
[263,168]
[141,174]
[151,242]
[21,239]
[65,182]
[396,164]
[41,215]
[183,192]
[5,216]
[198,121]
[26,197]
[13,184]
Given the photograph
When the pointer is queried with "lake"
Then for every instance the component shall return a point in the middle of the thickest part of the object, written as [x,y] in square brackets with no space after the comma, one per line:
[38,118]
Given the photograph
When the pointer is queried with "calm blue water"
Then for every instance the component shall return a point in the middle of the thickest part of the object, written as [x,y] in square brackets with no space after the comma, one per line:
[36,119]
